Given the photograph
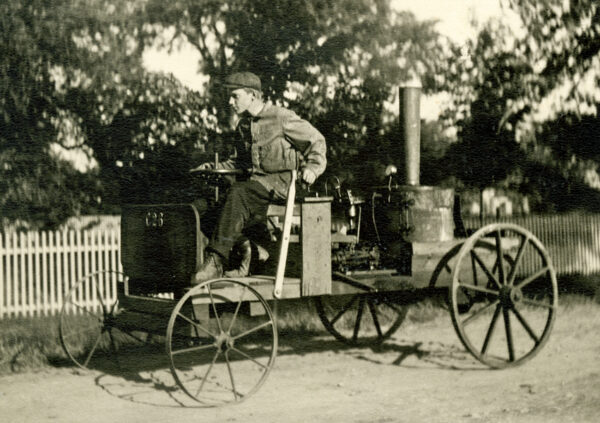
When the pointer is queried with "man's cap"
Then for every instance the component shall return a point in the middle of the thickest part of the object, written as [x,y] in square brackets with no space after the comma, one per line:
[242,80]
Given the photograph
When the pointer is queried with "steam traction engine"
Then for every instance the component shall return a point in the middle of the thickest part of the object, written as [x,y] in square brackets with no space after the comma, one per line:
[362,260]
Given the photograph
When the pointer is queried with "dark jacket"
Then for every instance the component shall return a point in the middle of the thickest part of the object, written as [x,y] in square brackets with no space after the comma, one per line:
[280,141]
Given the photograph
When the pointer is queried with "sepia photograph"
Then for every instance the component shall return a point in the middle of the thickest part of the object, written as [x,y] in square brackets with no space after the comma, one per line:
[361,211]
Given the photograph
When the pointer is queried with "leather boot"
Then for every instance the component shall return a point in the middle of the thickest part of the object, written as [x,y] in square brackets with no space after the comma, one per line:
[244,269]
[212,268]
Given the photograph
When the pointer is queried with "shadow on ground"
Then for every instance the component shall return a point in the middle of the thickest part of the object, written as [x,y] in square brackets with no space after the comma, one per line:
[142,374]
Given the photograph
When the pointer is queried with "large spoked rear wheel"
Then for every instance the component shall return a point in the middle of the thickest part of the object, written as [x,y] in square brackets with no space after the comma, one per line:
[508,277]
[221,342]
[362,319]
[87,319]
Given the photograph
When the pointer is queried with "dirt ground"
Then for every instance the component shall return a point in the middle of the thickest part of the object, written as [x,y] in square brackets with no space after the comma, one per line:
[422,374]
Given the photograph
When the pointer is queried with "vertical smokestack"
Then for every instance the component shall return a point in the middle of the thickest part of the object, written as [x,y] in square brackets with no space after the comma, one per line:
[410,127]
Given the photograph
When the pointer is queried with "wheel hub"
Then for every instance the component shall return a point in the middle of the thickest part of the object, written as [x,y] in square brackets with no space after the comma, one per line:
[109,320]
[224,341]
[510,296]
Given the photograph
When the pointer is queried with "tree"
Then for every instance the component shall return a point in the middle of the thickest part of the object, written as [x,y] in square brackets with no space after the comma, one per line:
[482,81]
[337,63]
[49,50]
[148,143]
[514,92]
[562,41]
[559,107]
[72,80]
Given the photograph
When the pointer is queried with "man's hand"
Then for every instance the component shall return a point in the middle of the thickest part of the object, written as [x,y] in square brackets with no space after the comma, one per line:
[204,166]
[308,176]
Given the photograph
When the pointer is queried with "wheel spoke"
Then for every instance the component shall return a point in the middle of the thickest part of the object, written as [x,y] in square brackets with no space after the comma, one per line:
[237,309]
[205,378]
[385,322]
[475,278]
[243,354]
[190,349]
[254,329]
[526,325]
[195,324]
[485,269]
[533,277]
[513,272]
[478,288]
[393,307]
[344,310]
[488,335]
[537,303]
[113,347]
[361,306]
[235,394]
[499,259]
[375,319]
[91,353]
[214,307]
[99,295]
[91,313]
[509,338]
[80,332]
[140,340]
[480,312]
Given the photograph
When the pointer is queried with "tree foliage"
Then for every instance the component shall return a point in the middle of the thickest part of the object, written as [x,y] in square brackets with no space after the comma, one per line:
[526,100]
[484,79]
[337,63]
[72,81]
[562,42]
[50,49]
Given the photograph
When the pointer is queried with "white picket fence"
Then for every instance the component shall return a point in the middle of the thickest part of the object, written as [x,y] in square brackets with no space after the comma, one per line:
[572,240]
[37,269]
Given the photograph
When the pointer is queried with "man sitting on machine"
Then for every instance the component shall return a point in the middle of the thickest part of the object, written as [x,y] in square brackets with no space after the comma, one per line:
[271,141]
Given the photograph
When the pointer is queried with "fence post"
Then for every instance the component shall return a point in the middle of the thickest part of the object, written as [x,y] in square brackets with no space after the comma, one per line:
[72,268]
[61,269]
[3,280]
[44,270]
[51,269]
[96,282]
[38,304]
[115,263]
[14,279]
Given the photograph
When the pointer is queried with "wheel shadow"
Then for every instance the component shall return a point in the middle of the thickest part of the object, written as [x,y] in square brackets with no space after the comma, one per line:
[142,375]
[419,355]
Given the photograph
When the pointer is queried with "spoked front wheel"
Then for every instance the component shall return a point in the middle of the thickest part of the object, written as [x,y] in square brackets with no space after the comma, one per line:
[508,277]
[87,319]
[221,342]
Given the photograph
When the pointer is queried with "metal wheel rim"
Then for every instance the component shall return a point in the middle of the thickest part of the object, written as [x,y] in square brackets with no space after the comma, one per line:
[171,353]
[104,317]
[502,309]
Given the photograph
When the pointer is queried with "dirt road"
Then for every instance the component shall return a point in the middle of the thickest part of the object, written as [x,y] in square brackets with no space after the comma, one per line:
[423,374]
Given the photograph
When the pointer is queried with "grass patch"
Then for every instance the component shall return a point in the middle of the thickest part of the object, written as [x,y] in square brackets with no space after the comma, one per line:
[298,316]
[28,343]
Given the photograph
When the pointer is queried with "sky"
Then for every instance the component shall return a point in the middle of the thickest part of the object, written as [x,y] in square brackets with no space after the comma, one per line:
[453,15]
